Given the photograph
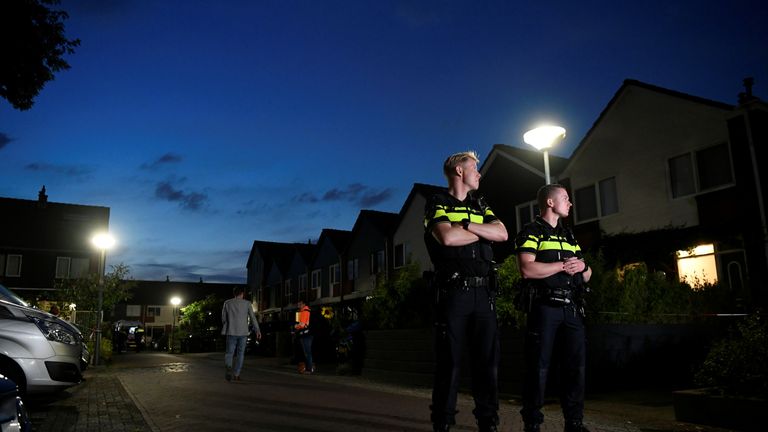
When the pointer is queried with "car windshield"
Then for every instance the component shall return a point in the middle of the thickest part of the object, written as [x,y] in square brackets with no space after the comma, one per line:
[10,296]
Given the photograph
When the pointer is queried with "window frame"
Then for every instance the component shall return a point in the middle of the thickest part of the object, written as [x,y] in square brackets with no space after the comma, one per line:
[532,209]
[8,266]
[694,160]
[403,256]
[598,197]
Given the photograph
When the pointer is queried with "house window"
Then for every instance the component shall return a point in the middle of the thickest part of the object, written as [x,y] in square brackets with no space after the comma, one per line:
[67,267]
[133,310]
[287,292]
[401,255]
[597,200]
[353,269]
[334,276]
[700,171]
[525,213]
[302,285]
[79,267]
[697,266]
[13,266]
[62,267]
[316,282]
[153,311]
[377,262]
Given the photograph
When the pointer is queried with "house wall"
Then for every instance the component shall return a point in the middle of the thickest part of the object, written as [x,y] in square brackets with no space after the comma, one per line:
[361,246]
[633,143]
[411,232]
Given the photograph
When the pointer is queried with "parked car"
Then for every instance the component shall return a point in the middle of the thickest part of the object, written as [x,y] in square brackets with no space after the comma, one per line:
[13,413]
[39,351]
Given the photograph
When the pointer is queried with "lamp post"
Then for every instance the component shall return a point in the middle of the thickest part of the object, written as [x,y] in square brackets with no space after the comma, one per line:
[175,301]
[543,138]
[103,242]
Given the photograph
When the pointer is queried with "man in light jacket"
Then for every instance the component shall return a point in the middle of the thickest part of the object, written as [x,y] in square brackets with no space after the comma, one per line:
[234,317]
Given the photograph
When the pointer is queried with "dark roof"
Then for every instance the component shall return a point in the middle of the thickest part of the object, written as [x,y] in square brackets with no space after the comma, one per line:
[272,250]
[528,158]
[635,83]
[49,225]
[384,222]
[338,238]
[422,189]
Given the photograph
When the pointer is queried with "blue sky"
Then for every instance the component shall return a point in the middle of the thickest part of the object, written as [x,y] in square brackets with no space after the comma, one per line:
[206,125]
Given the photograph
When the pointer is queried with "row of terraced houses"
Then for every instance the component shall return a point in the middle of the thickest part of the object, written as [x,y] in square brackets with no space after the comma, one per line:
[665,178]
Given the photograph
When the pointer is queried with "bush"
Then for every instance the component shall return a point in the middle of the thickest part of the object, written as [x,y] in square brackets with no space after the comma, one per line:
[399,302]
[736,365]
[506,312]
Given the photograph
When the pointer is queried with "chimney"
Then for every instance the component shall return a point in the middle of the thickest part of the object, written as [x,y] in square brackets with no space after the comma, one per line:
[42,198]
[746,96]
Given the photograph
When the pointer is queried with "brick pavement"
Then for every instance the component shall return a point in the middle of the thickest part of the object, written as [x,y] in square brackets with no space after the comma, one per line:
[102,404]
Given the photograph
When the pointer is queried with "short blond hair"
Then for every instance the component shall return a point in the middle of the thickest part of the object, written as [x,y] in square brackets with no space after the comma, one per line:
[456,159]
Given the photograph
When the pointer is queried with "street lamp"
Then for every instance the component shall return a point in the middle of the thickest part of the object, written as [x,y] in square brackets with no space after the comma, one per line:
[102,242]
[543,138]
[175,301]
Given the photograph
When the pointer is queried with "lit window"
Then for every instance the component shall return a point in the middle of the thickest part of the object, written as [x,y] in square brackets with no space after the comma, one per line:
[697,266]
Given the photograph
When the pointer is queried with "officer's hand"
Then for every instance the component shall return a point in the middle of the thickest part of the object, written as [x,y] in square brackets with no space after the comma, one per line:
[574,265]
[258,335]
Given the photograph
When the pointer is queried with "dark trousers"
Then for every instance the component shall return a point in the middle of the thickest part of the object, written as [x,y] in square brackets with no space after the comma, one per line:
[544,323]
[465,317]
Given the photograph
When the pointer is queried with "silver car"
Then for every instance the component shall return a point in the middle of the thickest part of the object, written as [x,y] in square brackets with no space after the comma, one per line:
[39,351]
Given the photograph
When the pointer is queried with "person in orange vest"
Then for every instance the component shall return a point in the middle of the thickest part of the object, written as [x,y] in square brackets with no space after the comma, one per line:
[305,337]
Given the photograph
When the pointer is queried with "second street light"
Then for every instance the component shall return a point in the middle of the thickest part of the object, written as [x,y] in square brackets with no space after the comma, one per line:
[543,138]
[102,242]
[175,301]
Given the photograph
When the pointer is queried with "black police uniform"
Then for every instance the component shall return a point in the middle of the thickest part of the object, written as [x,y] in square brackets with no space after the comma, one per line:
[465,312]
[555,306]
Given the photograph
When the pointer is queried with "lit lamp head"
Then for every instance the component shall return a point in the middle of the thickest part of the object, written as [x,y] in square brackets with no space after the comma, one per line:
[544,137]
[103,241]
[175,301]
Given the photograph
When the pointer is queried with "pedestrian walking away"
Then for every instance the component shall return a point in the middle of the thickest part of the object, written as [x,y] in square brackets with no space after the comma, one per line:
[459,228]
[235,317]
[555,276]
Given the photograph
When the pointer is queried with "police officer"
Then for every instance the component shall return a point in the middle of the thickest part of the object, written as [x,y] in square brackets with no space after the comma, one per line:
[459,229]
[550,257]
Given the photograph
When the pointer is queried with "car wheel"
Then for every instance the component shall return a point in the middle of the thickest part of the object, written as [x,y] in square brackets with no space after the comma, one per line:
[10,369]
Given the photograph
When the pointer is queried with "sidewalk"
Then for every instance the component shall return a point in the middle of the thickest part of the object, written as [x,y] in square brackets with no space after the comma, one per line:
[102,404]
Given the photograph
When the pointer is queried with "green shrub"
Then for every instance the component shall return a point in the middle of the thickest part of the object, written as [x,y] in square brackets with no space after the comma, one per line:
[737,364]
[402,301]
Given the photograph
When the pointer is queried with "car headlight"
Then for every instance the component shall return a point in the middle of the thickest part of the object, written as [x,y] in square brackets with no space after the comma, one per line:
[55,331]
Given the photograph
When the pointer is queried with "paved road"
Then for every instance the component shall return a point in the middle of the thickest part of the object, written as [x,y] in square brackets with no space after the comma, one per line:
[167,393]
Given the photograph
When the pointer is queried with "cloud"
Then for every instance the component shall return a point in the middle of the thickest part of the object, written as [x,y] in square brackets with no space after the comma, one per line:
[165,159]
[356,193]
[66,170]
[4,140]
[190,272]
[187,200]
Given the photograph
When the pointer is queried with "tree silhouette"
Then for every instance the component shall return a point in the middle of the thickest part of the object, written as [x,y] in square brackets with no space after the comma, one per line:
[32,46]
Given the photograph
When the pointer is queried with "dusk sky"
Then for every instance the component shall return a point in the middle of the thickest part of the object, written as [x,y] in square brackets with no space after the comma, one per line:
[206,125]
